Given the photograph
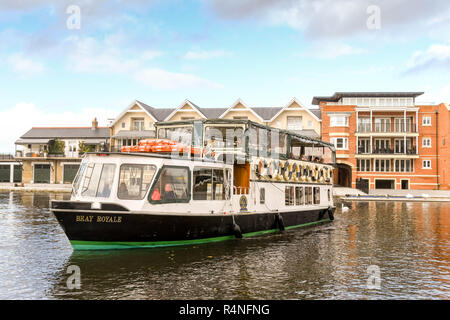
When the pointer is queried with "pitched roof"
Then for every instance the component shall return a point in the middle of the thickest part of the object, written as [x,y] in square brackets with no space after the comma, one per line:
[66,133]
[339,95]
[267,113]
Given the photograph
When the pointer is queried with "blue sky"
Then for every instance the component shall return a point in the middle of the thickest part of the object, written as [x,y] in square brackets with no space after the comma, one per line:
[212,52]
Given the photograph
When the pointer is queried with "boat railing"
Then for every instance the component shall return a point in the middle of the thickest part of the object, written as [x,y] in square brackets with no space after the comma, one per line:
[240,190]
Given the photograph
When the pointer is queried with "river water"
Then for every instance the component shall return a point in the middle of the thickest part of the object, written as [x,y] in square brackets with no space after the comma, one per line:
[373,250]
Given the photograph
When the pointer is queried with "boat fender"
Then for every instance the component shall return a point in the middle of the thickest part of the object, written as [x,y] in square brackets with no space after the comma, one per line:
[330,214]
[237,231]
[280,222]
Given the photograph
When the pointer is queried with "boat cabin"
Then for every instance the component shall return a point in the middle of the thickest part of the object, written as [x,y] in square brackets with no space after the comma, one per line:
[211,167]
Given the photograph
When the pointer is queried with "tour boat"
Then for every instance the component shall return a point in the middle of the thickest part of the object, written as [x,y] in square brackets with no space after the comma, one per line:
[199,181]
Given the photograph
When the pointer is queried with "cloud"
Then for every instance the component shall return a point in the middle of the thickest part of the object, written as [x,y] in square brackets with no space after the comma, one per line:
[163,79]
[436,56]
[89,55]
[203,55]
[24,66]
[36,117]
[332,50]
[333,18]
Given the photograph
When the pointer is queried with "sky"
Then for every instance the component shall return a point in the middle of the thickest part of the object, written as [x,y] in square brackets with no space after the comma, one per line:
[64,62]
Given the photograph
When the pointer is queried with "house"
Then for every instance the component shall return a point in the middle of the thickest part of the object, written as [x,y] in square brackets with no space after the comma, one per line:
[137,120]
[53,154]
[385,140]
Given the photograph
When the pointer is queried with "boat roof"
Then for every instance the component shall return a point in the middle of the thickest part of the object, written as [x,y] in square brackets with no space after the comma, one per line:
[245,122]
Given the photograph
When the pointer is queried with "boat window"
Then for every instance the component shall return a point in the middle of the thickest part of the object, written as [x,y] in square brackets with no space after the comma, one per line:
[106,181]
[178,134]
[316,195]
[98,180]
[77,181]
[308,195]
[280,146]
[298,196]
[172,185]
[223,137]
[209,184]
[289,196]
[134,180]
[262,195]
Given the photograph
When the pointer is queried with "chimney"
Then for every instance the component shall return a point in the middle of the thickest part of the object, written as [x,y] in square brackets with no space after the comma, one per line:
[94,124]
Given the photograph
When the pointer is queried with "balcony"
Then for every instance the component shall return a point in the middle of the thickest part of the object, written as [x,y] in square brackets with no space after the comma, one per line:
[386,128]
[45,155]
[382,152]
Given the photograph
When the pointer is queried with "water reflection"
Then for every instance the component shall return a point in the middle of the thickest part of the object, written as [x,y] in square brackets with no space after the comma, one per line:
[408,241]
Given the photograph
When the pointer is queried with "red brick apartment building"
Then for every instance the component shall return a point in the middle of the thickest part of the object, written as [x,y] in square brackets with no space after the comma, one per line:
[384,140]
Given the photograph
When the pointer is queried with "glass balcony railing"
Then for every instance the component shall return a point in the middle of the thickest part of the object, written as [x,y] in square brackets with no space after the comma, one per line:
[393,151]
[386,128]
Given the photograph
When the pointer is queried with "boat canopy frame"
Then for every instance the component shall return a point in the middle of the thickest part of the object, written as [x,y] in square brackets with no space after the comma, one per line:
[247,151]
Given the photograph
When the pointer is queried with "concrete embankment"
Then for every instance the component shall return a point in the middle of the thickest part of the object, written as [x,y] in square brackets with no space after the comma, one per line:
[393,195]
[36,187]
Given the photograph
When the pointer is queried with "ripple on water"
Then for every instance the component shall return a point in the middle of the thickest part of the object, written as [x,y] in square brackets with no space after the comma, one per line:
[408,243]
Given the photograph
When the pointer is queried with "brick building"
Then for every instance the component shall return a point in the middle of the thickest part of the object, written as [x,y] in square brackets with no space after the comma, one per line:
[384,140]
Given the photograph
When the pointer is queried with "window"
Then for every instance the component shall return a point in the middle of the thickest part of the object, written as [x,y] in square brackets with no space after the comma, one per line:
[400,145]
[138,124]
[262,196]
[426,142]
[134,180]
[209,184]
[363,146]
[289,196]
[294,123]
[382,145]
[172,185]
[308,195]
[310,124]
[123,125]
[426,121]
[98,180]
[187,118]
[339,121]
[403,165]
[240,118]
[426,164]
[363,165]
[316,195]
[340,143]
[364,125]
[298,196]
[382,165]
[382,125]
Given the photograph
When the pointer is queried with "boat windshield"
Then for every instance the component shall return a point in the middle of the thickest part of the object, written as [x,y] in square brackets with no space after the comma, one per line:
[97,180]
[178,134]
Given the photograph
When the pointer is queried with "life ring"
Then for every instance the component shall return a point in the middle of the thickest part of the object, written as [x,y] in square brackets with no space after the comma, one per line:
[294,172]
[304,172]
[269,170]
[277,170]
[310,173]
[287,171]
[298,172]
[260,168]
